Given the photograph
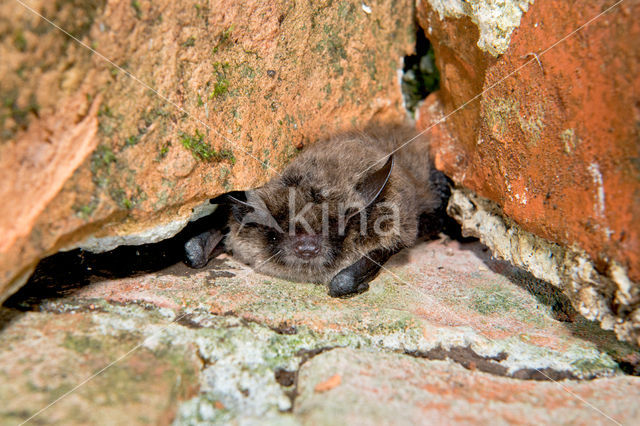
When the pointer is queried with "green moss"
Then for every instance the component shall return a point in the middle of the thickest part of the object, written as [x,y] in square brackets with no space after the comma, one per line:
[221,67]
[190,42]
[290,120]
[19,42]
[223,39]
[327,90]
[124,200]
[153,114]
[346,11]
[20,114]
[592,366]
[224,36]
[107,121]
[135,4]
[82,344]
[265,164]
[225,174]
[348,84]
[105,111]
[132,140]
[499,114]
[203,151]
[332,45]
[85,211]
[102,160]
[370,64]
[126,203]
[219,88]
[492,300]
[163,151]
[247,71]
[162,199]
[80,20]
[202,11]
[103,156]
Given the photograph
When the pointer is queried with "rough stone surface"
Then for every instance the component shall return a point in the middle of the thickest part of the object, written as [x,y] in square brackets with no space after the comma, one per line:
[613,300]
[232,91]
[391,389]
[46,355]
[548,132]
[444,326]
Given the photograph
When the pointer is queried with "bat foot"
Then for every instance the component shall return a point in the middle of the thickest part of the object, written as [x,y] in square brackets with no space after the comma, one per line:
[201,248]
[194,253]
[345,285]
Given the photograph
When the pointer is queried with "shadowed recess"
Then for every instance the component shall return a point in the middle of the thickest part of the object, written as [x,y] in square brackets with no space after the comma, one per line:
[58,275]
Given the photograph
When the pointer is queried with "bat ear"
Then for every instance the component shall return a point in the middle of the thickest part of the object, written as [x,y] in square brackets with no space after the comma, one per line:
[233,197]
[372,185]
[247,207]
[237,200]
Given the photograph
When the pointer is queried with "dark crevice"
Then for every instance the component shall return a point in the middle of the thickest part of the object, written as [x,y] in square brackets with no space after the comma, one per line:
[7,316]
[285,378]
[285,328]
[289,379]
[469,359]
[548,374]
[545,293]
[188,321]
[307,354]
[206,363]
[61,274]
[420,76]
[630,368]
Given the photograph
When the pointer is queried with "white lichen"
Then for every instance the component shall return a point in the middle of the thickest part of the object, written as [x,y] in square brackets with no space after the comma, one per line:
[496,19]
[598,207]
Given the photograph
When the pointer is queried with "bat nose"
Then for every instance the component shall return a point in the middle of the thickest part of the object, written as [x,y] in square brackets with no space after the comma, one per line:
[306,246]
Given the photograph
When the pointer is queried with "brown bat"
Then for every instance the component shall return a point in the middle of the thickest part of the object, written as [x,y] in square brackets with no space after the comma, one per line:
[337,212]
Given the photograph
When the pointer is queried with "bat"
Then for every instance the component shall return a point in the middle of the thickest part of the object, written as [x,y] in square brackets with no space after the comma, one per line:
[337,212]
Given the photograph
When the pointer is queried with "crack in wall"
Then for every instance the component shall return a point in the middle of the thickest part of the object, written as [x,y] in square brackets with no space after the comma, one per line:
[471,360]
[289,379]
